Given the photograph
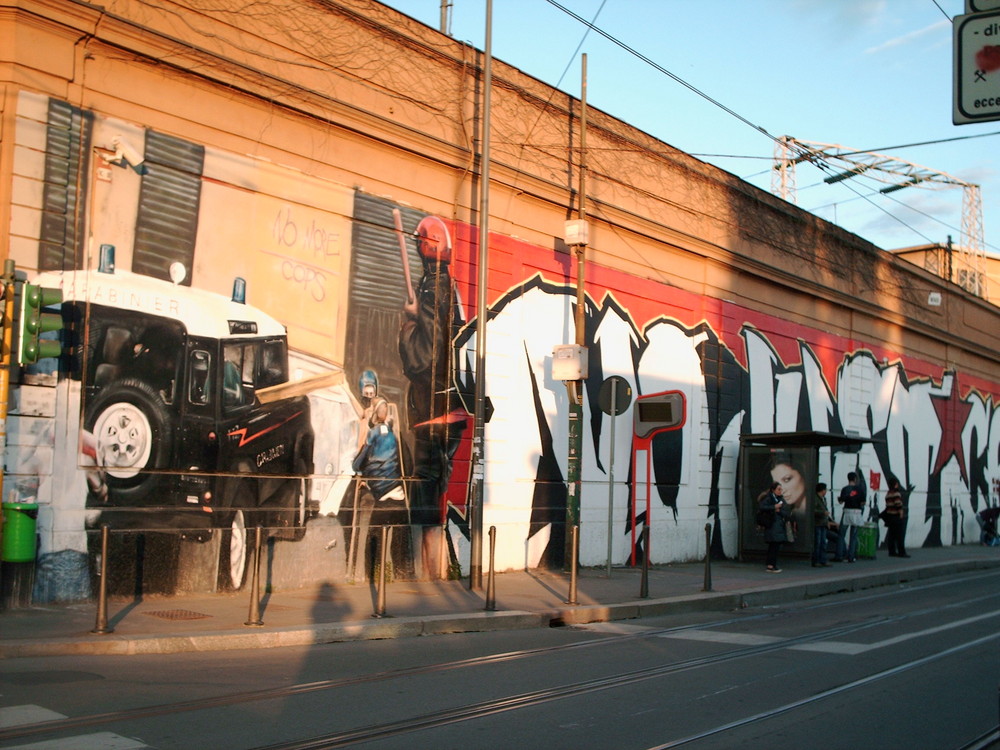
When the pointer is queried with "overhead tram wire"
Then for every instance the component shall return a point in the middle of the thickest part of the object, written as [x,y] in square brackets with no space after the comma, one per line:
[853,153]
[816,159]
[828,168]
[920,143]
[673,76]
[569,63]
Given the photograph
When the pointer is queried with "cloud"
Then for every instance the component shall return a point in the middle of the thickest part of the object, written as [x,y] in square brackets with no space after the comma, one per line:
[910,37]
[846,14]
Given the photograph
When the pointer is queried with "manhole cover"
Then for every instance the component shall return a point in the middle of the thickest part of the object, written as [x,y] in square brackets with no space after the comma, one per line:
[176,614]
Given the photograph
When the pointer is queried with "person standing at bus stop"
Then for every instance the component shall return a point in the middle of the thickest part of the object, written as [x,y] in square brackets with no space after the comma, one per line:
[775,534]
[894,515]
[852,497]
[821,522]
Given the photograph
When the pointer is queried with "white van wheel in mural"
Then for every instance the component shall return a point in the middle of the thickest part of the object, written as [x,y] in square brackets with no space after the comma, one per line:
[129,423]
[233,553]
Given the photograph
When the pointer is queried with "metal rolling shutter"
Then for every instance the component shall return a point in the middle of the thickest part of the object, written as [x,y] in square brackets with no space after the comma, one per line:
[64,196]
[167,220]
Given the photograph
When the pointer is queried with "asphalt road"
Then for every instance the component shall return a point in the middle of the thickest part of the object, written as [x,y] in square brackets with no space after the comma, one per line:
[913,666]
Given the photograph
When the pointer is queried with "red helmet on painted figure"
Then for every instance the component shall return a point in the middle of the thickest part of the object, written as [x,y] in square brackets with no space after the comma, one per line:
[433,239]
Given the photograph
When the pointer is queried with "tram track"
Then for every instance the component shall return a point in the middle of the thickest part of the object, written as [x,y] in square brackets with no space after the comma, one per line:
[515,702]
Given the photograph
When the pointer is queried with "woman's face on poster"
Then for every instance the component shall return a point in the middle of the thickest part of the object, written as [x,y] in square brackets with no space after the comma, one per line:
[791,481]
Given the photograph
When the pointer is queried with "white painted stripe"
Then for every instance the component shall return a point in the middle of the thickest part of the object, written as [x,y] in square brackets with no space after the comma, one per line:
[97,741]
[830,647]
[833,647]
[15,716]
[719,636]
[853,649]
[937,629]
[615,628]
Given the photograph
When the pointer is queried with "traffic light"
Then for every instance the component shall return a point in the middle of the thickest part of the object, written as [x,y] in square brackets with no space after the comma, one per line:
[34,322]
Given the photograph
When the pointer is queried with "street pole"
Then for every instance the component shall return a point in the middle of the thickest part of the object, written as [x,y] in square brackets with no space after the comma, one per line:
[479,432]
[575,387]
[6,354]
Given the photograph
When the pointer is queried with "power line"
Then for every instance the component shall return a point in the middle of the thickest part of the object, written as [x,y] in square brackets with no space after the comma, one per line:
[922,143]
[817,159]
[691,87]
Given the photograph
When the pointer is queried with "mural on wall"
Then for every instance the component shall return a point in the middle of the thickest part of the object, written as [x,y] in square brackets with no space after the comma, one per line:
[743,372]
[337,396]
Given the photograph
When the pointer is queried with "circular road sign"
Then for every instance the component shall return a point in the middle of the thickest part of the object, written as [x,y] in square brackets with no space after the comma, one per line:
[622,395]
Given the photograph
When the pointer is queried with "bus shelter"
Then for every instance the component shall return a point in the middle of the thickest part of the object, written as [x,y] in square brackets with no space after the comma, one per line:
[793,459]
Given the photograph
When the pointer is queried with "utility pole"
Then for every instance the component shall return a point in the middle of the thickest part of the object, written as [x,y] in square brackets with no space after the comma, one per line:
[479,432]
[947,259]
[446,17]
[6,352]
[575,387]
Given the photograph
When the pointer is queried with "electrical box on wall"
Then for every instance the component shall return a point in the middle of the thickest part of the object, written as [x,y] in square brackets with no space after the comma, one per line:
[576,232]
[569,362]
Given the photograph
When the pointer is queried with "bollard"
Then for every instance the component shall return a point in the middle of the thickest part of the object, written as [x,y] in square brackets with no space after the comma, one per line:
[491,594]
[253,618]
[444,558]
[380,599]
[708,558]
[101,626]
[575,556]
[644,584]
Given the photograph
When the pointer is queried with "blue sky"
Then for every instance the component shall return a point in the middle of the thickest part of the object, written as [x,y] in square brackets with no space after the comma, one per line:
[871,75]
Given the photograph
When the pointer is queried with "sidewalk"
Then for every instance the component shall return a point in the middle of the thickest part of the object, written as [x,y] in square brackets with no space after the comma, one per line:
[340,612]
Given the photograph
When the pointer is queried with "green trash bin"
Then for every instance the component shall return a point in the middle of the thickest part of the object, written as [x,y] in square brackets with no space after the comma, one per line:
[19,522]
[867,541]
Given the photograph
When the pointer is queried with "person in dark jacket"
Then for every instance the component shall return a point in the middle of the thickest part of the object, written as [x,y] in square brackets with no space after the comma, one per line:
[774,534]
[895,513]
[822,521]
[852,497]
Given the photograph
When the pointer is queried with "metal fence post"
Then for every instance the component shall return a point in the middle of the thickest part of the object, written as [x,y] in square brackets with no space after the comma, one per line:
[491,594]
[101,626]
[380,599]
[644,584]
[574,561]
[253,618]
[708,558]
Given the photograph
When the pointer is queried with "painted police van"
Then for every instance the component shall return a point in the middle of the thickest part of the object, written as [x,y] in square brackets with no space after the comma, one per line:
[175,435]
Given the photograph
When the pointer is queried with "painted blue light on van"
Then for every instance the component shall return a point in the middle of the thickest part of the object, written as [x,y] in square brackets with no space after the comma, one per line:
[240,290]
[106,260]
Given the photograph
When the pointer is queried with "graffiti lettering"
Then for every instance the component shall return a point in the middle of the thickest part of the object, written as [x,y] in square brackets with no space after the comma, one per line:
[323,243]
[284,231]
[270,454]
[314,239]
[312,281]
[942,441]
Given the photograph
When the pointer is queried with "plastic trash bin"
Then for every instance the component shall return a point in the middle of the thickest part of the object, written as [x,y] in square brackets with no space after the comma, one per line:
[867,541]
[19,523]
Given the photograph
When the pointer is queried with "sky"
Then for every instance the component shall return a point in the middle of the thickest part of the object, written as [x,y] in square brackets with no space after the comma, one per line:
[868,75]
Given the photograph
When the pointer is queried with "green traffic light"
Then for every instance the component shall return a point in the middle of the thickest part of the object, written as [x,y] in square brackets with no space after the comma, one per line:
[34,322]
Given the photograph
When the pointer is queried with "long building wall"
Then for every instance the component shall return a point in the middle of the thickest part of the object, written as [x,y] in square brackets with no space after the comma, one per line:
[280,147]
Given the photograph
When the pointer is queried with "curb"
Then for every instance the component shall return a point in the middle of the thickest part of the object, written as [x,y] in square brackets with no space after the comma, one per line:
[468,622]
[231,640]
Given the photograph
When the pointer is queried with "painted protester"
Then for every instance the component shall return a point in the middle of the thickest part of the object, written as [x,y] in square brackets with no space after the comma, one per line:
[425,351]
